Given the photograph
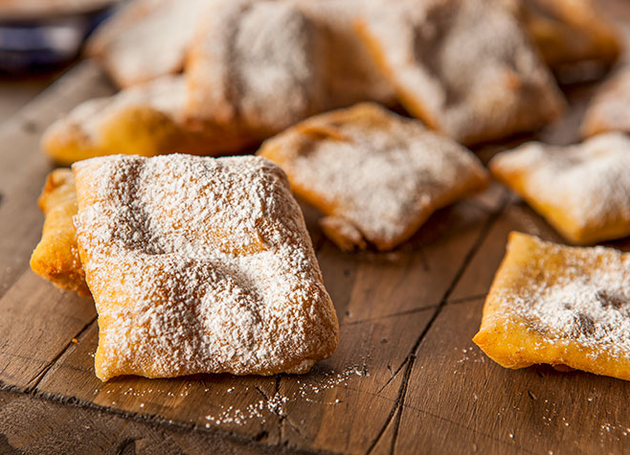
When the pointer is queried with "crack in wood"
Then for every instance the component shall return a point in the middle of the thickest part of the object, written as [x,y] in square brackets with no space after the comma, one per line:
[411,356]
[467,299]
[425,261]
[294,427]
[394,374]
[265,396]
[465,427]
[392,315]
[37,379]
[276,393]
[126,447]
[401,402]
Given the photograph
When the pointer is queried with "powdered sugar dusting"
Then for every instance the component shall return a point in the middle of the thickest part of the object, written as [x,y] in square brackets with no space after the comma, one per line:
[277,403]
[382,173]
[165,94]
[608,111]
[472,89]
[199,265]
[585,298]
[589,182]
[253,64]
[147,39]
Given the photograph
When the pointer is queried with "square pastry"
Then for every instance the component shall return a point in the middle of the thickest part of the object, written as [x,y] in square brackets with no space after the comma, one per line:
[568,32]
[559,305]
[375,176]
[465,68]
[199,265]
[609,109]
[145,39]
[582,190]
[146,120]
[254,64]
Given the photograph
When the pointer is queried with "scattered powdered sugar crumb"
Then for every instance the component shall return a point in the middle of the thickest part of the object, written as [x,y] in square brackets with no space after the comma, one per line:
[329,380]
[276,404]
[470,354]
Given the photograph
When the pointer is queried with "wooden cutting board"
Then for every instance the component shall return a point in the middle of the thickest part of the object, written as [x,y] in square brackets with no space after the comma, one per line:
[405,378]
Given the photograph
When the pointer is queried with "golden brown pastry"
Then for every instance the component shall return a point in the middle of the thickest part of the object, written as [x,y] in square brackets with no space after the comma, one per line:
[144,120]
[375,176]
[145,40]
[350,74]
[581,190]
[56,256]
[609,110]
[569,32]
[199,265]
[559,305]
[463,67]
[253,66]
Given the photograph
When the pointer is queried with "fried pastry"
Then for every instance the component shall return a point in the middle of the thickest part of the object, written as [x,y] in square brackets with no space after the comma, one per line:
[609,110]
[253,64]
[568,32]
[581,190]
[145,120]
[147,39]
[351,75]
[56,257]
[375,176]
[463,67]
[559,305]
[199,265]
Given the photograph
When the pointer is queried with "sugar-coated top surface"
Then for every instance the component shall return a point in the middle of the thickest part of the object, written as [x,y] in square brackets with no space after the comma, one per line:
[165,95]
[589,181]
[465,67]
[608,111]
[379,171]
[252,63]
[571,293]
[199,265]
[147,39]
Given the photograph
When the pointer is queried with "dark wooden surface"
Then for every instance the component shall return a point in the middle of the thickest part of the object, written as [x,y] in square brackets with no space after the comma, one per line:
[406,377]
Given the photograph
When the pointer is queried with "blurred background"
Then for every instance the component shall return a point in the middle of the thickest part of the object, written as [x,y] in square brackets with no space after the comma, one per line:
[39,39]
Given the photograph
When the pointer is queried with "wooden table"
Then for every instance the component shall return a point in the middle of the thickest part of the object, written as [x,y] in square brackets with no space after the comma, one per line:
[406,377]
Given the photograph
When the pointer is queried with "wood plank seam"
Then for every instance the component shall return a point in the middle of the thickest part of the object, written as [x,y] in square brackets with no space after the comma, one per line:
[148,419]
[396,410]
[471,298]
[467,259]
[391,315]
